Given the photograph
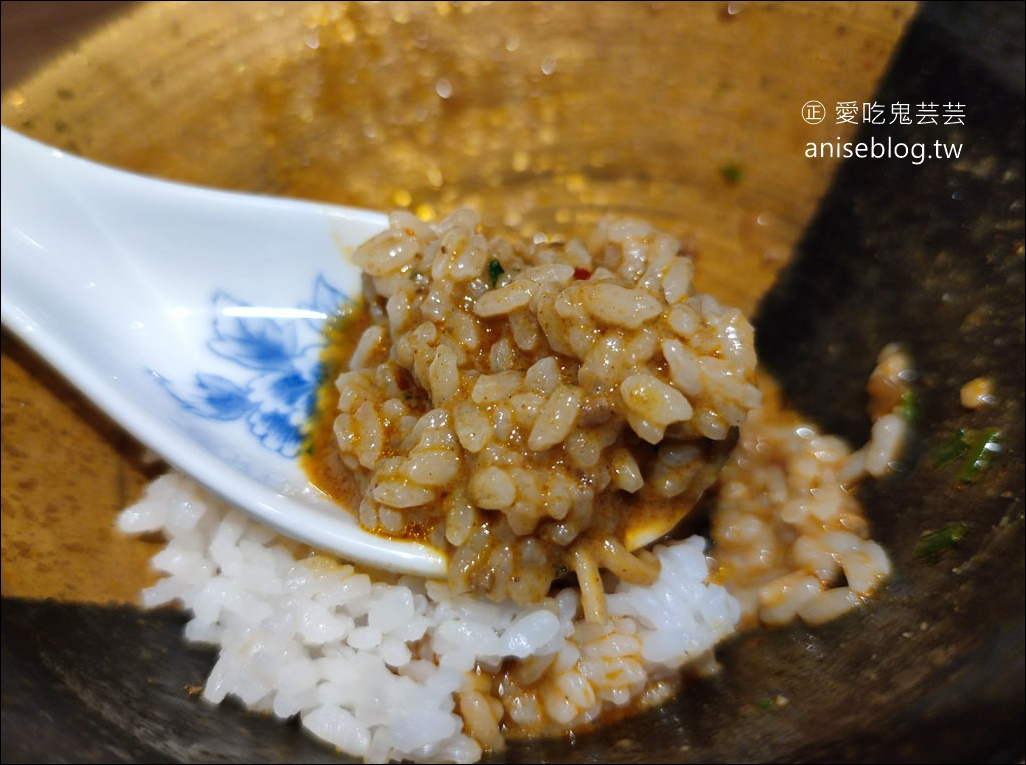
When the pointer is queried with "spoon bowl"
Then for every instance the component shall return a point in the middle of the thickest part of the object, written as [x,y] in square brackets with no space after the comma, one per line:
[194,318]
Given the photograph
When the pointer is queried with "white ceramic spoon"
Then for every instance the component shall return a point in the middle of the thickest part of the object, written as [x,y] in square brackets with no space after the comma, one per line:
[194,318]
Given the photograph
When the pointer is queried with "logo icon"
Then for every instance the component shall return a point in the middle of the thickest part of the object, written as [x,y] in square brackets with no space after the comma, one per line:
[813,112]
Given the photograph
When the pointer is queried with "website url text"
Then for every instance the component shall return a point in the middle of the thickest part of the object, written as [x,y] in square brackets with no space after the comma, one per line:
[889,149]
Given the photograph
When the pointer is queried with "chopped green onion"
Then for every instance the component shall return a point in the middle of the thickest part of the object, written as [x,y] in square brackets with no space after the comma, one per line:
[983,447]
[933,543]
[908,409]
[974,450]
[766,703]
[951,449]
[732,173]
[495,271]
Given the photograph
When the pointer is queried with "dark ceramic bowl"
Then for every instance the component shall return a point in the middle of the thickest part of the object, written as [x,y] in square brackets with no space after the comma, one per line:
[544,117]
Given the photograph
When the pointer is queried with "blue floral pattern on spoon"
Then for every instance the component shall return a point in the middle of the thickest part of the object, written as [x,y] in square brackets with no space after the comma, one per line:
[280,367]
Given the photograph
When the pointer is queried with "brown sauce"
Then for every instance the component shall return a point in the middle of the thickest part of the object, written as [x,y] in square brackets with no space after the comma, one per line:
[320,458]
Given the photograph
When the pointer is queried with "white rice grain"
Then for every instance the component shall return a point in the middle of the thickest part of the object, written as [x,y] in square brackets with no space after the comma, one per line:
[376,669]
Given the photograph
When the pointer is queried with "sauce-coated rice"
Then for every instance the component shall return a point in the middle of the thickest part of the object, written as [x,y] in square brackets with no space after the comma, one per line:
[525,407]
[390,668]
